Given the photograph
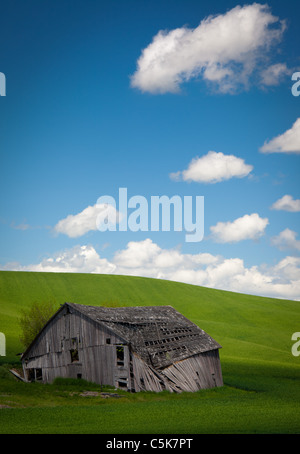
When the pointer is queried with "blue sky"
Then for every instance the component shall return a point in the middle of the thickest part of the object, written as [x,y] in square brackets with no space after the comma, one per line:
[96,101]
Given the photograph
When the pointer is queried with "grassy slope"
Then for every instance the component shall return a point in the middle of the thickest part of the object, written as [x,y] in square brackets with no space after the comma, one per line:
[260,373]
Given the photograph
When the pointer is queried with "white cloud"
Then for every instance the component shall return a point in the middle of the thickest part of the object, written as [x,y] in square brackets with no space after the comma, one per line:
[79,259]
[288,269]
[274,74]
[149,259]
[273,281]
[224,50]
[86,221]
[287,203]
[288,142]
[248,227]
[213,168]
[286,240]
[145,258]
[137,254]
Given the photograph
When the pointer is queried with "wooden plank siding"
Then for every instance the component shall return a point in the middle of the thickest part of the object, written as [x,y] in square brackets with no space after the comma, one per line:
[197,372]
[201,371]
[96,359]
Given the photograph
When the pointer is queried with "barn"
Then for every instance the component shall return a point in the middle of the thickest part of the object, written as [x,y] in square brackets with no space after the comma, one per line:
[150,348]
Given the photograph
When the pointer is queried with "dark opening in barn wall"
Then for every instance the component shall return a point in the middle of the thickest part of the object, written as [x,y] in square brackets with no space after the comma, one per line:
[122,383]
[30,375]
[74,350]
[120,355]
[34,374]
[74,355]
[38,374]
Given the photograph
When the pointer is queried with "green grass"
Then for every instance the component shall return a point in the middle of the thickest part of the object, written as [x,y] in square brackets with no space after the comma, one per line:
[261,392]
[37,408]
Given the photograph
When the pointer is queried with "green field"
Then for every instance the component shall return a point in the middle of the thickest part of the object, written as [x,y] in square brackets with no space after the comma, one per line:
[261,392]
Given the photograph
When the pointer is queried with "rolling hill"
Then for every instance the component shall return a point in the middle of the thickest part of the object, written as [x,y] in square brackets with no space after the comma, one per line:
[246,326]
[255,334]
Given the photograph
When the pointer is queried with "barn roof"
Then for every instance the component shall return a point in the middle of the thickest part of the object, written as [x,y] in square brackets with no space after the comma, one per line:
[159,334]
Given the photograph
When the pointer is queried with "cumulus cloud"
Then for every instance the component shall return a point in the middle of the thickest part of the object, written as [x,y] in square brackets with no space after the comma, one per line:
[79,259]
[225,50]
[248,227]
[288,142]
[288,269]
[87,220]
[213,168]
[286,240]
[145,258]
[287,203]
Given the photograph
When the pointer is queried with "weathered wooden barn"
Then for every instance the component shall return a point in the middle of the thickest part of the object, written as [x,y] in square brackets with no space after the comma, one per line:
[134,348]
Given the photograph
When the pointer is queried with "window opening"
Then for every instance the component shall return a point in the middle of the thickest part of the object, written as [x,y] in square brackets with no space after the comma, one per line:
[120,355]
[74,355]
[74,350]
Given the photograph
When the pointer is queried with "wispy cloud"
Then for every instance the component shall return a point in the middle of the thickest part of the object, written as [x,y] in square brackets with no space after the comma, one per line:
[226,50]
[21,226]
[288,142]
[213,168]
[274,74]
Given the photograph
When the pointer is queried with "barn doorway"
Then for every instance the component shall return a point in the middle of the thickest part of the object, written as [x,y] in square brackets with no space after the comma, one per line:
[121,372]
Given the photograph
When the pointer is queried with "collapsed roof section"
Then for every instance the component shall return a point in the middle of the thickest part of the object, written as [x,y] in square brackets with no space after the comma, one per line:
[158,334]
